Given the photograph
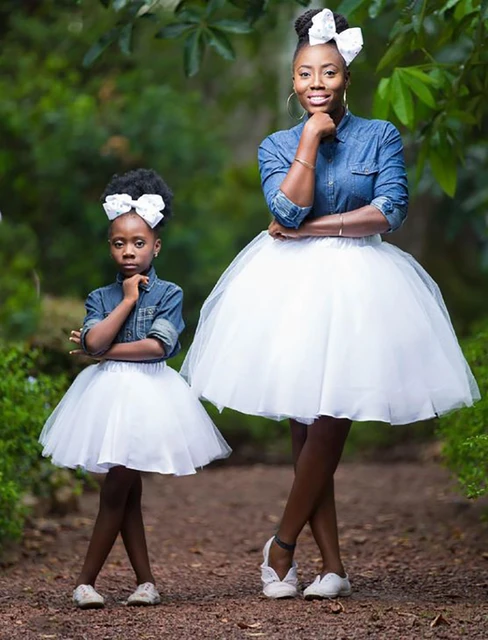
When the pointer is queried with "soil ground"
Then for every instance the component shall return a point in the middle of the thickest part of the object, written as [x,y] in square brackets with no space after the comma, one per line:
[416,552]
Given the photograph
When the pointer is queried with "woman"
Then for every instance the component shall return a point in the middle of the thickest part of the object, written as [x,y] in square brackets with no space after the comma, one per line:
[317,320]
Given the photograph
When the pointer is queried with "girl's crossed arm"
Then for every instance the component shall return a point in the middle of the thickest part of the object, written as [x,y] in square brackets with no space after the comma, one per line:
[98,340]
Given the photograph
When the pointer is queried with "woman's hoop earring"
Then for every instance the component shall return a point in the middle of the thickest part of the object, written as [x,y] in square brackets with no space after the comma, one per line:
[344,100]
[288,108]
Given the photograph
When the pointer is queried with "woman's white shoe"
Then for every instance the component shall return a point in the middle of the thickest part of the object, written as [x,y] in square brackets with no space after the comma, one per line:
[145,595]
[273,587]
[330,586]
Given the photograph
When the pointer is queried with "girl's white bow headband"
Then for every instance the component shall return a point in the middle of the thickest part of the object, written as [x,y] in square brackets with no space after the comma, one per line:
[148,206]
[349,42]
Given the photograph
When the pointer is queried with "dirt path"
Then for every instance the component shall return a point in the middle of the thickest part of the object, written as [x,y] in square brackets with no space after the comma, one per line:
[413,549]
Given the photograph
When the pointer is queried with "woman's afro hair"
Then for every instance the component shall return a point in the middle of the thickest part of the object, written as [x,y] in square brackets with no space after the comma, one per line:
[138,182]
[304,22]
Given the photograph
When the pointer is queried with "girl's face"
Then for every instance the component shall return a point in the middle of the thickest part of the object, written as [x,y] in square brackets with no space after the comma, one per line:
[320,78]
[132,244]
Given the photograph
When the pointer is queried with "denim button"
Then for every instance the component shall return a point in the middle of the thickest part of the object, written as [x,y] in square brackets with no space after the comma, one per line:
[330,183]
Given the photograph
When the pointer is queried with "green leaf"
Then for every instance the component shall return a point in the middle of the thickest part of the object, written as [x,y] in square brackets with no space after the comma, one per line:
[119,4]
[443,163]
[421,90]
[99,47]
[395,51]
[348,6]
[232,26]
[221,43]
[174,30]
[375,8]
[190,14]
[401,100]
[381,103]
[193,52]
[213,6]
[421,75]
[125,38]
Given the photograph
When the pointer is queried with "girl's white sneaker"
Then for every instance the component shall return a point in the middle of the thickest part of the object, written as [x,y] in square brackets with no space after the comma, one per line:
[273,587]
[85,597]
[330,586]
[145,595]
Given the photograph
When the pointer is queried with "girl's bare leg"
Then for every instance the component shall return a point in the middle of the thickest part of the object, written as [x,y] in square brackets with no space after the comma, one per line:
[113,499]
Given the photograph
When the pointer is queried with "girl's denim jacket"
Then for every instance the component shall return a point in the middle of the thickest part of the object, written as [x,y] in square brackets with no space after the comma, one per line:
[157,313]
[363,165]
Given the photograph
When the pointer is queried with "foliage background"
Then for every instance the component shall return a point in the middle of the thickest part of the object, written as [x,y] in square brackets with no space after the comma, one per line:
[66,128]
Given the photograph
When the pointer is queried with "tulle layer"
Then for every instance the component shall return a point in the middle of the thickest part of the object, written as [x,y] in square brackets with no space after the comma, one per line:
[139,415]
[342,327]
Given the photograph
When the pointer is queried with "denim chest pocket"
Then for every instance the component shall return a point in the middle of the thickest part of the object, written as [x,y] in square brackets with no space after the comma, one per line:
[145,318]
[363,179]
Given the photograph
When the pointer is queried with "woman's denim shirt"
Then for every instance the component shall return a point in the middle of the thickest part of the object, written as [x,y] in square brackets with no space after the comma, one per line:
[156,314]
[363,165]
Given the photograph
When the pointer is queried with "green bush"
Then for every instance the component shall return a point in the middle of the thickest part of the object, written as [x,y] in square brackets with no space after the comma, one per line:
[465,433]
[26,399]
[19,308]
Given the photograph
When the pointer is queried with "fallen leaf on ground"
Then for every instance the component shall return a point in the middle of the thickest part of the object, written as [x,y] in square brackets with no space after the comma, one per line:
[438,620]
[336,607]
[246,625]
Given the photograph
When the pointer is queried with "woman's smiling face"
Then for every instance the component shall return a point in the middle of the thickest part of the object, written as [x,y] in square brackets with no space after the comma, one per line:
[320,78]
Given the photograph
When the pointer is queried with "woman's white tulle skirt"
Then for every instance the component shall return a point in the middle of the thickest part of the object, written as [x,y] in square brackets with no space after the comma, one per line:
[343,327]
[139,415]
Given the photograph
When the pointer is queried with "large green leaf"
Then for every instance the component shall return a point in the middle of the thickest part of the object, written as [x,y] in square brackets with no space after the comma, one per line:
[381,103]
[213,6]
[395,52]
[401,100]
[174,30]
[221,43]
[232,26]
[193,52]
[420,89]
[443,162]
[125,38]
[99,47]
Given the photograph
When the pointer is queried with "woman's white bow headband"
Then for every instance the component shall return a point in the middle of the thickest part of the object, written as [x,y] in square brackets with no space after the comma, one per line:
[349,42]
[148,206]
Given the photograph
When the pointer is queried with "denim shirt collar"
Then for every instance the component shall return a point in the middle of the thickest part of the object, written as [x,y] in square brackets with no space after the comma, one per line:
[151,274]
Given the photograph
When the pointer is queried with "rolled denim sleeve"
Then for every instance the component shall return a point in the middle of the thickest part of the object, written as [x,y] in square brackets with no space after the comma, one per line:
[168,321]
[391,187]
[94,315]
[274,168]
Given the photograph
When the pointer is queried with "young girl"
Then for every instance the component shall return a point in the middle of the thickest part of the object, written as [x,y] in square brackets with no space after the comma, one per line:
[131,412]
[318,320]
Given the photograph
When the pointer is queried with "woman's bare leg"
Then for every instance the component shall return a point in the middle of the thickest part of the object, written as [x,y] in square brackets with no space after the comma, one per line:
[314,470]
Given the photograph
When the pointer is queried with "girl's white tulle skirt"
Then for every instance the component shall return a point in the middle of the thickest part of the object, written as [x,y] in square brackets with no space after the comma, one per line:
[139,415]
[343,327]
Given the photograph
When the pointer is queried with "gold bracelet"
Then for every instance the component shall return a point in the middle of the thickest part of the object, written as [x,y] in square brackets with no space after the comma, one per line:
[341,228]
[309,165]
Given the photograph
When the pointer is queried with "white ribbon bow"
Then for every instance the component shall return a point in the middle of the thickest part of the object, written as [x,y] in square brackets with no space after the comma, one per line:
[323,29]
[148,206]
